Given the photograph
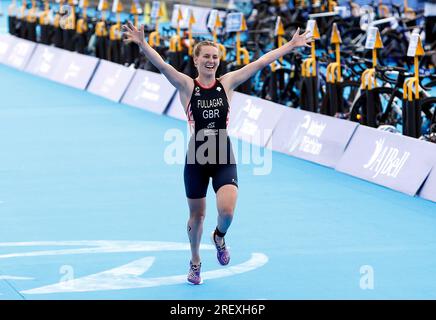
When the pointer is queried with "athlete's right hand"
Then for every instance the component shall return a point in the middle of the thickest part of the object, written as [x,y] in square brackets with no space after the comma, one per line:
[132,34]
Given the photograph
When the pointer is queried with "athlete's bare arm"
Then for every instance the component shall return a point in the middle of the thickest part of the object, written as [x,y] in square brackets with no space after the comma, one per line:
[233,79]
[182,82]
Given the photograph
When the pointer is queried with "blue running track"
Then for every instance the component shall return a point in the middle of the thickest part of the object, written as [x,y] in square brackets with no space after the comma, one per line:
[76,168]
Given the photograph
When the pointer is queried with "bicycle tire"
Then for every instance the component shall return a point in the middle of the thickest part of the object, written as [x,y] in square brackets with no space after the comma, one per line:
[357,108]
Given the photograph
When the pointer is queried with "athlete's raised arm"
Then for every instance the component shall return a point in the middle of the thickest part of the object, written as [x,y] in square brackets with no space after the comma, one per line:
[179,80]
[233,79]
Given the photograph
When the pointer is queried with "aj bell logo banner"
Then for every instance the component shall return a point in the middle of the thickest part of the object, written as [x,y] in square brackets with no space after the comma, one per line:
[312,136]
[394,161]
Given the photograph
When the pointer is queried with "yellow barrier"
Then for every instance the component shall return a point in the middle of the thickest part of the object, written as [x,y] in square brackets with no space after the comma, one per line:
[409,12]
[331,69]
[335,66]
[307,64]
[115,32]
[408,89]
[218,24]
[245,55]
[81,26]
[223,50]
[332,5]
[191,40]
[175,43]
[304,68]
[154,39]
[240,50]
[384,10]
[31,14]
[311,62]
[408,84]
[44,18]
[369,76]
[23,9]
[100,29]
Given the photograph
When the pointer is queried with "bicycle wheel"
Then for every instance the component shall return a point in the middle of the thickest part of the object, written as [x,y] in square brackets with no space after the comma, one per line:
[428,107]
[386,114]
[274,85]
[346,93]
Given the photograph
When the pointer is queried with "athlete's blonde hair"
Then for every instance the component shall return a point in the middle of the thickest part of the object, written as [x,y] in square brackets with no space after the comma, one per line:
[206,43]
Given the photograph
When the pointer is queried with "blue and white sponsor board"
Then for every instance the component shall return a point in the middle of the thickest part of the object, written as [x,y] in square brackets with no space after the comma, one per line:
[311,136]
[111,80]
[391,160]
[149,91]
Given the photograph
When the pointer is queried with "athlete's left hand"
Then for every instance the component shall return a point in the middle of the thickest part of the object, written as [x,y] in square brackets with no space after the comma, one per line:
[301,40]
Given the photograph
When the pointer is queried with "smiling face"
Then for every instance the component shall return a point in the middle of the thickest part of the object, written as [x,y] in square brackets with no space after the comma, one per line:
[206,59]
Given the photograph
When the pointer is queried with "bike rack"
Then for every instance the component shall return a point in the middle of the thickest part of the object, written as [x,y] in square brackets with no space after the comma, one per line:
[191,41]
[154,41]
[175,55]
[383,10]
[58,34]
[309,100]
[135,12]
[368,83]
[131,50]
[218,24]
[178,38]
[69,28]
[277,79]
[331,5]
[334,76]
[154,37]
[190,69]
[101,33]
[114,52]
[411,99]
[81,25]
[301,4]
[28,22]
[409,11]
[223,51]
[222,68]
[12,18]
[81,31]
[242,52]
[44,24]
[223,59]
[175,43]
[147,12]
[22,33]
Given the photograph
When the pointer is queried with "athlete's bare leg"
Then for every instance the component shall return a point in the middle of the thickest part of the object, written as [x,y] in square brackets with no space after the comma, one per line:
[197,213]
[226,197]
